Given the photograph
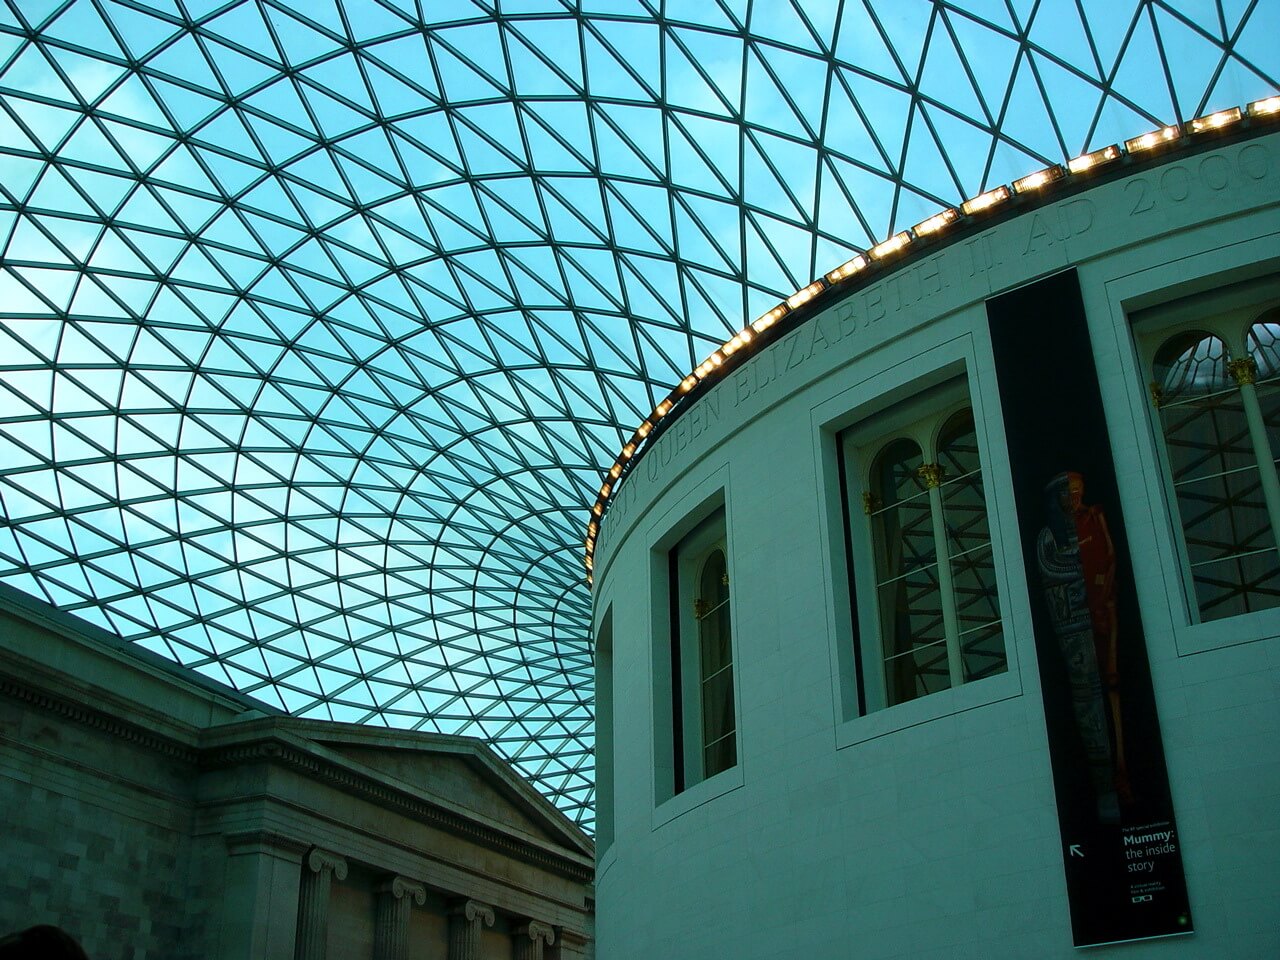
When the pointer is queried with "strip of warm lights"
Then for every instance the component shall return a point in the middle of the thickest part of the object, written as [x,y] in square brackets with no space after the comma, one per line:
[1039,179]
[703,370]
[939,221]
[1087,161]
[985,201]
[769,319]
[805,295]
[1215,121]
[1156,138]
[891,246]
[737,342]
[848,269]
[713,366]
[1269,107]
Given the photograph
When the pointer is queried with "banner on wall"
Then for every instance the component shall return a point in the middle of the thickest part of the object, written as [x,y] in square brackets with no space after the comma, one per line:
[1120,845]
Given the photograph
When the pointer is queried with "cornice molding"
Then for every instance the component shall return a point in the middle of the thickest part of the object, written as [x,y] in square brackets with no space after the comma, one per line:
[285,754]
[40,697]
[248,840]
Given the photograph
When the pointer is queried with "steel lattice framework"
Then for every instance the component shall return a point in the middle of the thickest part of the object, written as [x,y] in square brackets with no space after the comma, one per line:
[319,320]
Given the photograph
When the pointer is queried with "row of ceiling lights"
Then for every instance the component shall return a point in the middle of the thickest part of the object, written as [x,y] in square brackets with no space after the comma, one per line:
[754,336]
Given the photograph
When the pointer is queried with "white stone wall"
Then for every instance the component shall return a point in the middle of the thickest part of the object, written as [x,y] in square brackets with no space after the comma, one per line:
[930,830]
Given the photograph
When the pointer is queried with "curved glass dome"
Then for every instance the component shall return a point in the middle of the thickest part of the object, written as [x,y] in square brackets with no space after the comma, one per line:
[320,320]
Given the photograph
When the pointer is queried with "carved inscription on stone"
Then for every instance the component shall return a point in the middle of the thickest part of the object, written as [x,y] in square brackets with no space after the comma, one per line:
[1197,180]
[896,296]
[1046,228]
[903,300]
[982,253]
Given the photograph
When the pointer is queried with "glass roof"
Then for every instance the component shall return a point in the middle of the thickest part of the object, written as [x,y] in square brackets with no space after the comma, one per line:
[319,321]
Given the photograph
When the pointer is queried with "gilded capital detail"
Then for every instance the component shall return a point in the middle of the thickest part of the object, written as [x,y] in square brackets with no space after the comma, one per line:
[931,474]
[1243,370]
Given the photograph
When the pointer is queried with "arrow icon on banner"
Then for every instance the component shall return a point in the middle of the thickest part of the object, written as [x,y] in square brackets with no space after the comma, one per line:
[1075,850]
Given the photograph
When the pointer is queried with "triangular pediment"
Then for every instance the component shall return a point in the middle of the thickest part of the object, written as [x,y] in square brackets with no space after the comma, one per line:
[458,771]
[451,778]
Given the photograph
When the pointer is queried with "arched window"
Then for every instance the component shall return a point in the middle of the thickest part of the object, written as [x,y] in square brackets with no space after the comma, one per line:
[1263,341]
[715,652]
[604,733]
[973,572]
[936,611]
[907,589]
[1219,426]
[703,722]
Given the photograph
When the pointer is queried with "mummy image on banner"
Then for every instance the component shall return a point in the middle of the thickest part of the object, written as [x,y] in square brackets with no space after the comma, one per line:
[1078,575]
[1120,845]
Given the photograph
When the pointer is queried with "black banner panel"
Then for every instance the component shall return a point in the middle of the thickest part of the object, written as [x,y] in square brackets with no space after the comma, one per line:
[1120,843]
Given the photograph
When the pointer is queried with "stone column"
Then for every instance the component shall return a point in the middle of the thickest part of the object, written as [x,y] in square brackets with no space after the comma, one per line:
[465,920]
[531,939]
[391,932]
[318,870]
[257,895]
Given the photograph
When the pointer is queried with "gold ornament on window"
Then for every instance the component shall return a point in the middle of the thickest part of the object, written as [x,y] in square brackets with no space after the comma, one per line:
[1243,370]
[870,502]
[1157,395]
[931,474]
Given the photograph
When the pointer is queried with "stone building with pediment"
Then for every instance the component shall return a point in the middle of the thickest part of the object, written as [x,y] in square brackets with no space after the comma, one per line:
[156,814]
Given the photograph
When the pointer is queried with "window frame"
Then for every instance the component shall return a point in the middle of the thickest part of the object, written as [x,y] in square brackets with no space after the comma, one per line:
[909,367]
[1159,278]
[922,420]
[689,559]
[1226,311]
[605,823]
[709,498]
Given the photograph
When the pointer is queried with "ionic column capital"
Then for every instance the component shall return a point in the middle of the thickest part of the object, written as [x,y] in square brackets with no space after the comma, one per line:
[531,939]
[402,887]
[537,931]
[396,896]
[319,860]
[466,919]
[318,870]
[474,910]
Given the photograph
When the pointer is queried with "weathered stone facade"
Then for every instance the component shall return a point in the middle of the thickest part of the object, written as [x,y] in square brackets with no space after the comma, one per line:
[155,814]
